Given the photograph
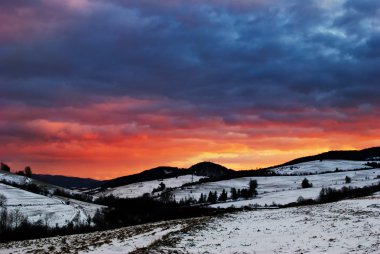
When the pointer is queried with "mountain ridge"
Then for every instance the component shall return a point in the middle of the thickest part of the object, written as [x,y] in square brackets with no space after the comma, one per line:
[217,171]
[205,168]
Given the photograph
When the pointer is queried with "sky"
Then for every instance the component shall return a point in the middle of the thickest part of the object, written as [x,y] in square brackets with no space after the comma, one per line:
[104,88]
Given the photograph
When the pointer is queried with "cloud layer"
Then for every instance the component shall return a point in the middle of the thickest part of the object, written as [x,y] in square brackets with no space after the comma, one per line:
[126,85]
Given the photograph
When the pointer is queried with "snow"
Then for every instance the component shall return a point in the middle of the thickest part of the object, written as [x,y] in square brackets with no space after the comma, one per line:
[138,189]
[134,242]
[52,210]
[123,240]
[348,226]
[13,178]
[343,227]
[317,167]
[280,189]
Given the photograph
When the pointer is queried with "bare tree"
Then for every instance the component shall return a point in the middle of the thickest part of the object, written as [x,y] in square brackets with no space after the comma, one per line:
[28,171]
[3,219]
[3,200]
[17,218]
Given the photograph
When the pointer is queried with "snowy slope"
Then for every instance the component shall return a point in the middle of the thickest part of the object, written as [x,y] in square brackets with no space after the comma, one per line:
[123,240]
[10,178]
[138,189]
[349,226]
[52,210]
[280,189]
[13,178]
[317,167]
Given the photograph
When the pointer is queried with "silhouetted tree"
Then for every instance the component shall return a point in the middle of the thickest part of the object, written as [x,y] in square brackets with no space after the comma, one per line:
[28,171]
[306,184]
[234,194]
[252,187]
[5,167]
[212,197]
[223,196]
[348,179]
[160,187]
[202,199]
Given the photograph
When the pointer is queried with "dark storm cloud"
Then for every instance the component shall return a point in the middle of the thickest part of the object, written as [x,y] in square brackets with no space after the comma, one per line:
[222,57]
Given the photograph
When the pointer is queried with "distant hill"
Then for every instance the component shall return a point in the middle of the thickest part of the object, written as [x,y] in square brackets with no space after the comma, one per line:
[352,155]
[208,169]
[68,182]
[148,175]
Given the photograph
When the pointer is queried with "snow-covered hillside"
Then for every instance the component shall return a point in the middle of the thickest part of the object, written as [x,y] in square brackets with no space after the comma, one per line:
[349,226]
[139,189]
[280,189]
[52,210]
[123,240]
[317,167]
[13,178]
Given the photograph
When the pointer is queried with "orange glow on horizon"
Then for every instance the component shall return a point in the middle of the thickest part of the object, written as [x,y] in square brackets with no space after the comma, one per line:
[109,139]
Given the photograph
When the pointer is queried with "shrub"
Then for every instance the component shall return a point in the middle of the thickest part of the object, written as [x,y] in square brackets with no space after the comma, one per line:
[300,199]
[5,167]
[160,187]
[348,179]
[306,184]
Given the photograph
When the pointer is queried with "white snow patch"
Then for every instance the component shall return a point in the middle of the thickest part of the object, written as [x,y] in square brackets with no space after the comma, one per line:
[51,210]
[280,189]
[317,167]
[138,189]
[349,226]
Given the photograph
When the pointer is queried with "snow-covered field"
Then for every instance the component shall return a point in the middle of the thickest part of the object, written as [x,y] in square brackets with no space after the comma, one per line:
[317,167]
[123,240]
[13,178]
[52,210]
[280,189]
[348,226]
[138,189]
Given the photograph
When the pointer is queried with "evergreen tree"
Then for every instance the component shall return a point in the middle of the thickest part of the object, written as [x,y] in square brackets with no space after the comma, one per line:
[223,196]
[212,197]
[234,194]
[202,199]
[252,187]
